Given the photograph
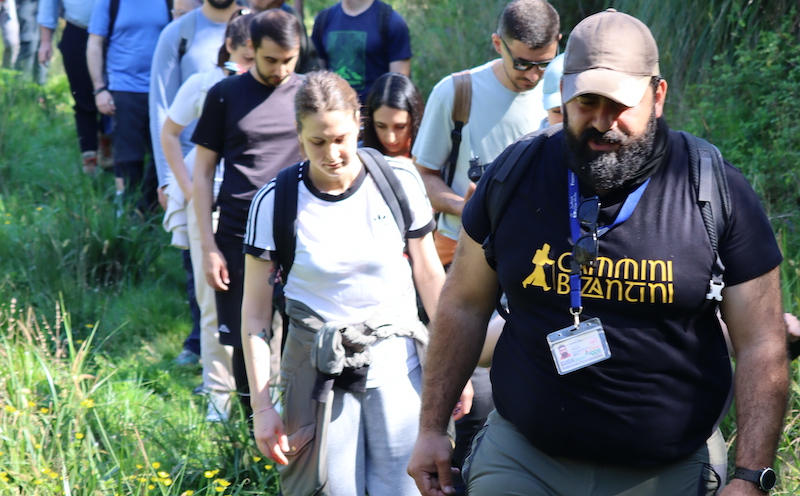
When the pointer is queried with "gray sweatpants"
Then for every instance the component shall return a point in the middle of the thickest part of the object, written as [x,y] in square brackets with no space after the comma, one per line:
[370,439]
[504,462]
[9,26]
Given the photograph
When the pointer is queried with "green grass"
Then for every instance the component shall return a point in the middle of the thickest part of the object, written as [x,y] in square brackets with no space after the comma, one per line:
[92,308]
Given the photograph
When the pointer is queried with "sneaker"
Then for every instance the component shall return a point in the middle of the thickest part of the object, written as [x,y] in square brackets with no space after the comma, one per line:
[89,162]
[106,158]
[219,405]
[187,357]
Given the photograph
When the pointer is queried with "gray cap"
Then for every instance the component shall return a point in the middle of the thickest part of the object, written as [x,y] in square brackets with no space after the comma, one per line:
[610,54]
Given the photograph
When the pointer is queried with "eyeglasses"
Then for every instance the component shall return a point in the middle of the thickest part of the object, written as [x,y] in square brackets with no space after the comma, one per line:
[524,65]
[584,251]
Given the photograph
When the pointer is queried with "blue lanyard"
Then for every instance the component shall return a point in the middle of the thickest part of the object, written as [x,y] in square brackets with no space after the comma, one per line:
[575,230]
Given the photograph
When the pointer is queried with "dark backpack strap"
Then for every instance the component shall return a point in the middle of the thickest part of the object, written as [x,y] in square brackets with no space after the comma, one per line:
[187,28]
[511,166]
[462,104]
[390,187]
[284,217]
[707,174]
[384,15]
[113,11]
[169,9]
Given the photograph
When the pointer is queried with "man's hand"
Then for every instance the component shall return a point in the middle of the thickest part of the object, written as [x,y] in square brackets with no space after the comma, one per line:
[270,436]
[45,52]
[464,405]
[739,487]
[216,269]
[105,103]
[430,464]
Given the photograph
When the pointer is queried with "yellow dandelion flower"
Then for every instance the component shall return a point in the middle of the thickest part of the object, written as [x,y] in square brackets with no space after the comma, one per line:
[38,208]
[44,410]
[151,487]
[210,474]
[256,459]
[5,478]
[38,481]
[88,326]
[220,489]
[156,465]
[45,470]
[31,404]
[163,474]
[188,492]
[168,482]
[79,435]
[88,403]
[37,446]
[54,475]
[138,466]
[222,482]
[9,409]
[268,467]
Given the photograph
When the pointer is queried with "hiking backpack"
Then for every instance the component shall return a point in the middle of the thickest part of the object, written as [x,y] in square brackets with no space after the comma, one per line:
[706,175]
[284,218]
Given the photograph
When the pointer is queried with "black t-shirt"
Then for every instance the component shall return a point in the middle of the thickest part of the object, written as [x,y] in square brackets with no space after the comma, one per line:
[659,395]
[252,127]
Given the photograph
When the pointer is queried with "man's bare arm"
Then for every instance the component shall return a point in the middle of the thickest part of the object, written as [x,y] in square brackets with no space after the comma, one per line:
[465,305]
[401,66]
[752,311]
[443,198]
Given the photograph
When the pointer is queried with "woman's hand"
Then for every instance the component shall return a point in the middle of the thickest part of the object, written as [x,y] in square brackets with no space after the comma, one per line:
[270,436]
[216,269]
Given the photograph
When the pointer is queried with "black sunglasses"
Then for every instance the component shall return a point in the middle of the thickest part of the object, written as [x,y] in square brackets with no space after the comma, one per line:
[584,251]
[524,65]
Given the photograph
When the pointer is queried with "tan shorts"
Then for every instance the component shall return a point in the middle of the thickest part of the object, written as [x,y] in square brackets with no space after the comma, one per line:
[504,462]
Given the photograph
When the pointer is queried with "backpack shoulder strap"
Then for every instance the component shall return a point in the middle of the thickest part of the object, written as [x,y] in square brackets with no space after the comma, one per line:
[511,166]
[322,21]
[462,105]
[113,11]
[384,15]
[187,29]
[708,178]
[284,217]
[390,187]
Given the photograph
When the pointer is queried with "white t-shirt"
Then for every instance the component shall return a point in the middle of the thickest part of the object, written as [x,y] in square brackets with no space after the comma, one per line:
[188,103]
[349,257]
[498,117]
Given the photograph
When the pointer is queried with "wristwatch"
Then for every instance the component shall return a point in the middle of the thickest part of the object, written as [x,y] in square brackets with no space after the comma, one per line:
[765,478]
[100,90]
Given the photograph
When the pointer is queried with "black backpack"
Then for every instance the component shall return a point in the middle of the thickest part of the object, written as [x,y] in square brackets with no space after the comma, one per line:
[706,173]
[284,220]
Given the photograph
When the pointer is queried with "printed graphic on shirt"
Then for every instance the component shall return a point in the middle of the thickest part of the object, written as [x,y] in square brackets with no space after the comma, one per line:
[348,56]
[538,277]
[628,280]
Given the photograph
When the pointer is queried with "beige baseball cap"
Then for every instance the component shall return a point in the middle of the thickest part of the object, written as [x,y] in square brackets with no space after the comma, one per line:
[610,54]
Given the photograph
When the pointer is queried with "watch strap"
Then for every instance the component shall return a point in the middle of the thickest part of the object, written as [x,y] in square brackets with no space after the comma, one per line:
[100,90]
[756,477]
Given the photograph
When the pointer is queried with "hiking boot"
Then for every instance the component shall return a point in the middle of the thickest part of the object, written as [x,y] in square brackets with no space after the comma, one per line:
[89,162]
[106,158]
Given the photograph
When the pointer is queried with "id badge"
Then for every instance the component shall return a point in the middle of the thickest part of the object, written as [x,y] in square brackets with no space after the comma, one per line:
[576,348]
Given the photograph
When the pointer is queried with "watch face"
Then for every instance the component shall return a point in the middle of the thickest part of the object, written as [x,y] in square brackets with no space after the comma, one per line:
[767,479]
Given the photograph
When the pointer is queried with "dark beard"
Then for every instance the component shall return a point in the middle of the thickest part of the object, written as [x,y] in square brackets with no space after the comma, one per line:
[220,4]
[605,171]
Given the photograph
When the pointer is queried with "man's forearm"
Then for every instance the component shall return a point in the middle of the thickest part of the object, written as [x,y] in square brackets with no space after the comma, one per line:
[761,394]
[45,35]
[442,197]
[94,59]
[463,312]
